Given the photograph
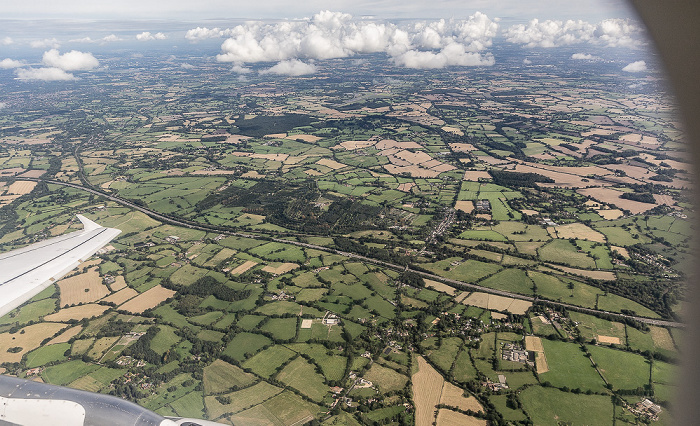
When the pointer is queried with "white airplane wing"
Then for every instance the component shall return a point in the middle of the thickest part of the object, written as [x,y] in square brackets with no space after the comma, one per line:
[27,271]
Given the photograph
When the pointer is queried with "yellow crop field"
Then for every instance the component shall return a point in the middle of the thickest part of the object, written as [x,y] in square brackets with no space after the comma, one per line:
[121,296]
[427,388]
[436,285]
[454,397]
[453,418]
[147,300]
[82,288]
[21,187]
[27,339]
[534,344]
[77,312]
[244,267]
[578,231]
[66,335]
[280,268]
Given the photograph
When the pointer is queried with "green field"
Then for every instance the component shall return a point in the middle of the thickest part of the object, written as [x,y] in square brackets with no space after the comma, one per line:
[569,366]
[220,376]
[624,370]
[386,379]
[266,363]
[244,345]
[46,354]
[302,376]
[547,406]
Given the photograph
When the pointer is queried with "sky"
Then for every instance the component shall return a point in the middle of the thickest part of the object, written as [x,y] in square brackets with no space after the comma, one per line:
[55,40]
[385,9]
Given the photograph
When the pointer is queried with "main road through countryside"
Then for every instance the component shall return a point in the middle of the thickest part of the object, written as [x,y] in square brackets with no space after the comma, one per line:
[458,284]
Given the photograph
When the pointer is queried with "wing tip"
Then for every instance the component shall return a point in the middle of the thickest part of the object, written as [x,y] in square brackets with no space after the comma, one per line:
[87,223]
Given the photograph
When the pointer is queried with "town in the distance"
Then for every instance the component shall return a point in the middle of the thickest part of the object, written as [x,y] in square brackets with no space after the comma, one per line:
[354,240]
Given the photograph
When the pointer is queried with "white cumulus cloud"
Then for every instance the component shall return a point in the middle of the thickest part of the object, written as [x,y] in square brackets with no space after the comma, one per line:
[203,33]
[45,43]
[8,63]
[582,56]
[638,66]
[329,35]
[6,41]
[292,67]
[147,36]
[44,74]
[551,33]
[71,61]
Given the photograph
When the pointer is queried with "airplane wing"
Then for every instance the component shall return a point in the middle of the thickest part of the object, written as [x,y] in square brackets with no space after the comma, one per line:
[27,271]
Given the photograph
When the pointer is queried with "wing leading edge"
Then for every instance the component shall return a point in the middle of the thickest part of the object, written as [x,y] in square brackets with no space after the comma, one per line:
[27,271]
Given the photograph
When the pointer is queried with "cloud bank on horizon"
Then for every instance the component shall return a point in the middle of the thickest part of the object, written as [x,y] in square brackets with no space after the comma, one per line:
[420,45]
[291,47]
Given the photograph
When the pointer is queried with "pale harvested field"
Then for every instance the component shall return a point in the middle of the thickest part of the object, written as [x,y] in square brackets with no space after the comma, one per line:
[331,163]
[596,275]
[312,172]
[307,323]
[610,214]
[148,299]
[33,173]
[353,145]
[478,299]
[414,171]
[497,303]
[119,283]
[465,206]
[252,174]
[390,143]
[28,340]
[533,343]
[305,138]
[475,175]
[462,147]
[427,388]
[59,229]
[664,199]
[461,297]
[417,157]
[608,339]
[498,316]
[121,296]
[244,267]
[578,231]
[453,418]
[662,338]
[454,130]
[440,287]
[567,180]
[406,187]
[530,212]
[519,307]
[82,288]
[611,196]
[621,251]
[21,187]
[443,167]
[66,335]
[77,312]
[280,268]
[106,184]
[11,171]
[454,396]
